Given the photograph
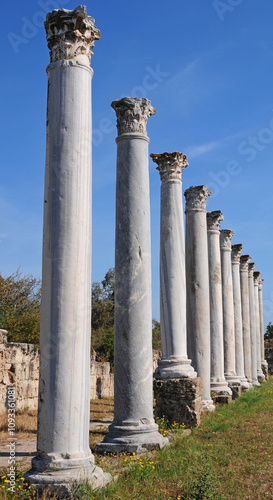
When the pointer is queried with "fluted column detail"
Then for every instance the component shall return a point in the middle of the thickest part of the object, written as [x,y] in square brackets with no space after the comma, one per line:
[238,324]
[197,279]
[253,323]
[218,382]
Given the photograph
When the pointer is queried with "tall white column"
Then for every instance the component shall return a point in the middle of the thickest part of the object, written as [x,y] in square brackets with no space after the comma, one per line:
[197,279]
[133,427]
[261,316]
[256,278]
[228,307]
[173,326]
[219,384]
[244,261]
[63,452]
[238,325]
[253,330]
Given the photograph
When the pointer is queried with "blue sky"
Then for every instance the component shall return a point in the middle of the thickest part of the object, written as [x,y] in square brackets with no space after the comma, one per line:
[206,66]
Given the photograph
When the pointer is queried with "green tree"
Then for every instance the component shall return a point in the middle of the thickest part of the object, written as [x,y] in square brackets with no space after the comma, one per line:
[156,334]
[103,298]
[20,298]
[269,331]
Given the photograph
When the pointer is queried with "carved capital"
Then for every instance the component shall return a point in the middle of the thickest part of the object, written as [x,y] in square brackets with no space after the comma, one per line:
[244,261]
[71,34]
[261,285]
[236,252]
[196,197]
[170,165]
[256,276]
[214,220]
[132,114]
[251,267]
[225,239]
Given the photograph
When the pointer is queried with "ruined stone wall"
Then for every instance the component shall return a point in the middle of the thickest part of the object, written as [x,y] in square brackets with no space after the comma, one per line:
[19,367]
[269,359]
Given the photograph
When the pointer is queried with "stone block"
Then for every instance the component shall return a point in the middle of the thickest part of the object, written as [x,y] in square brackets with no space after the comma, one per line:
[179,400]
[222,399]
[236,390]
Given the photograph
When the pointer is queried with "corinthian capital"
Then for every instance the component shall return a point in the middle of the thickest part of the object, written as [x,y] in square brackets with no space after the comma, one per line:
[170,165]
[214,220]
[71,34]
[251,267]
[132,114]
[236,252]
[256,276]
[244,261]
[196,197]
[225,239]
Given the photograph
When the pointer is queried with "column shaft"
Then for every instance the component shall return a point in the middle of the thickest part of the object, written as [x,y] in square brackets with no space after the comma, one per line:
[238,325]
[133,427]
[261,316]
[63,451]
[256,276]
[244,260]
[218,382]
[197,279]
[253,331]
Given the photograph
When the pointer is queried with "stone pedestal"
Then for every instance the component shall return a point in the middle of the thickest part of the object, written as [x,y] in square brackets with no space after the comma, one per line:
[133,428]
[219,385]
[238,325]
[253,323]
[173,326]
[244,260]
[179,400]
[228,308]
[197,279]
[261,317]
[256,278]
[63,452]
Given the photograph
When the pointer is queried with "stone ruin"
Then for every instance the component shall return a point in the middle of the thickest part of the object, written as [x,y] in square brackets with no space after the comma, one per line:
[211,302]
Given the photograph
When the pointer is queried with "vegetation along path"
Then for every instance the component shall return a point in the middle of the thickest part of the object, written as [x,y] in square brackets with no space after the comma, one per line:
[230,456]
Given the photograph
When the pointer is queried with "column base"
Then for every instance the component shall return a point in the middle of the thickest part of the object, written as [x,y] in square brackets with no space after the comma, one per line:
[245,384]
[132,439]
[220,392]
[62,480]
[179,400]
[220,387]
[260,376]
[255,382]
[265,369]
[207,405]
[175,367]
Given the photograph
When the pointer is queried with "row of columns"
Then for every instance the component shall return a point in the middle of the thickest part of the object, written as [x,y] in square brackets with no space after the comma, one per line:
[196,321]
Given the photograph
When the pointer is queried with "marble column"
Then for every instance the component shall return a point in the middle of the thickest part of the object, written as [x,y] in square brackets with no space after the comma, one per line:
[238,325]
[197,280]
[256,278]
[177,398]
[133,428]
[173,325]
[219,384]
[261,316]
[252,317]
[228,308]
[244,261]
[63,452]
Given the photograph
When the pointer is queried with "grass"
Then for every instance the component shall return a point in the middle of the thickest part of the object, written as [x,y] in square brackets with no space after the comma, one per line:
[230,456]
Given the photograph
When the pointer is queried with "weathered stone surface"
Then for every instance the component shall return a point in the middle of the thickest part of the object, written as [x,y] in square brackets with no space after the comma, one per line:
[173,325]
[269,359]
[179,400]
[238,325]
[236,390]
[253,323]
[217,378]
[133,427]
[197,279]
[244,261]
[228,307]
[64,381]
